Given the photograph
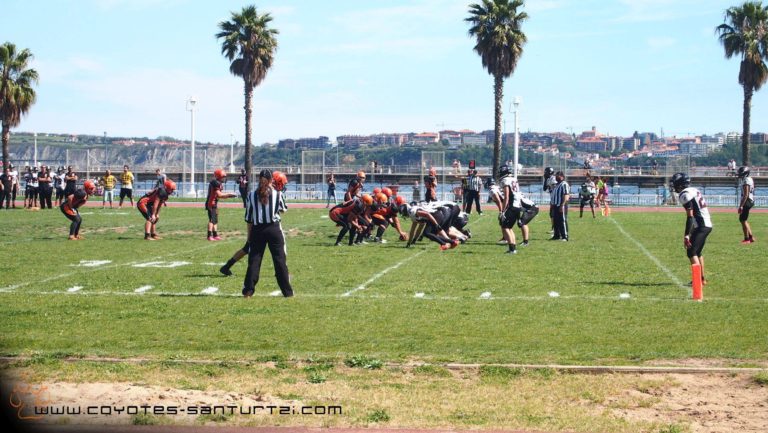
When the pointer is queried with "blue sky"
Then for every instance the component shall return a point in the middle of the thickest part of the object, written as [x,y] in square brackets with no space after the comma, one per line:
[361,67]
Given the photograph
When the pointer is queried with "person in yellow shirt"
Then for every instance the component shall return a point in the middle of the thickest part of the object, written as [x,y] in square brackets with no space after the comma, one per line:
[108,182]
[126,185]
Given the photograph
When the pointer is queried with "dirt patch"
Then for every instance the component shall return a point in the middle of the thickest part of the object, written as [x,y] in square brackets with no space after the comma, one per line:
[294,232]
[714,362]
[707,403]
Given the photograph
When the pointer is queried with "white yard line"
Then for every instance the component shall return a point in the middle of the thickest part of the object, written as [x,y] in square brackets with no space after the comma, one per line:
[648,254]
[142,289]
[382,273]
[533,298]
[13,287]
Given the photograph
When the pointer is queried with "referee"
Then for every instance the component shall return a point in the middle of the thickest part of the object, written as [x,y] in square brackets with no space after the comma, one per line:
[262,210]
[559,203]
[474,186]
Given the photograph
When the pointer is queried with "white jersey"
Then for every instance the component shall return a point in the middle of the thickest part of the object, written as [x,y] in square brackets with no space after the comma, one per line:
[691,199]
[494,189]
[588,189]
[511,182]
[750,183]
[14,176]
[412,213]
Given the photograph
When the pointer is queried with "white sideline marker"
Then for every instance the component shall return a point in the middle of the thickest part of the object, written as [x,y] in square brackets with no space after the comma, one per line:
[92,263]
[276,293]
[74,289]
[213,264]
[553,295]
[160,264]
[419,295]
[142,289]
[210,290]
[485,295]
[624,296]
[324,216]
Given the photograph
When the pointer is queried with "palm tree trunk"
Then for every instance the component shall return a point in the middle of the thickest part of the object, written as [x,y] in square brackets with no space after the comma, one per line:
[248,112]
[6,139]
[745,157]
[498,96]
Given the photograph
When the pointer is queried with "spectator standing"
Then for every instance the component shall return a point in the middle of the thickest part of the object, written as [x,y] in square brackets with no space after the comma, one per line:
[416,191]
[44,188]
[108,182]
[242,185]
[126,185]
[747,191]
[6,182]
[58,184]
[559,201]
[331,181]
[732,167]
[15,188]
[70,182]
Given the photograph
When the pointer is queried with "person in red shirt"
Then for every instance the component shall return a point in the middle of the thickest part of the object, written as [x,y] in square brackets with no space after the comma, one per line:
[279,182]
[149,206]
[72,202]
[215,192]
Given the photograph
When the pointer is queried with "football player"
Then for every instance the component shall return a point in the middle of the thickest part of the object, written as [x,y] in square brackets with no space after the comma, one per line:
[355,186]
[698,224]
[216,192]
[511,207]
[345,215]
[420,215]
[747,191]
[386,214]
[150,205]
[587,195]
[72,202]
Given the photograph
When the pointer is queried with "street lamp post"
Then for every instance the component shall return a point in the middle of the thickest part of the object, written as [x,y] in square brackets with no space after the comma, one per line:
[191,108]
[231,152]
[35,156]
[516,102]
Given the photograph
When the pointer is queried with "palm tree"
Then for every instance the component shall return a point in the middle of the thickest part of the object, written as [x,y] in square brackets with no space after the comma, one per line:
[16,92]
[496,26]
[250,45]
[745,33]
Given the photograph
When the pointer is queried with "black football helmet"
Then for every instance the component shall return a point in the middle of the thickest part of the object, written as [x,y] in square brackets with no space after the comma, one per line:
[680,181]
[743,171]
[504,170]
[549,171]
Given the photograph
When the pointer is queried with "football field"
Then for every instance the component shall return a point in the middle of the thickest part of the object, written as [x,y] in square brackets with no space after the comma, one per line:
[615,294]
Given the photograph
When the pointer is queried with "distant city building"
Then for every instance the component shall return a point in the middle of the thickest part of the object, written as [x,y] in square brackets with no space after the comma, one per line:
[354,141]
[733,138]
[388,139]
[424,138]
[632,144]
[474,140]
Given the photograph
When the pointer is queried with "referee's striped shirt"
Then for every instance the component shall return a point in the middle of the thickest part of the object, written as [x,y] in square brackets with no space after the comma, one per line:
[558,194]
[475,183]
[258,213]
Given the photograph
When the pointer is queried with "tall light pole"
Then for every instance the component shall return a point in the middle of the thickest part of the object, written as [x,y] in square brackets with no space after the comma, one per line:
[35,155]
[516,103]
[231,152]
[191,108]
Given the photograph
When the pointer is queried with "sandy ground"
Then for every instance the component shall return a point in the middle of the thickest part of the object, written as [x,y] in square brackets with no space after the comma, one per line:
[708,403]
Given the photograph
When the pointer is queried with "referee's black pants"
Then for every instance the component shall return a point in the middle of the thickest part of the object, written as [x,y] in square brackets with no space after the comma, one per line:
[473,196]
[261,236]
[561,223]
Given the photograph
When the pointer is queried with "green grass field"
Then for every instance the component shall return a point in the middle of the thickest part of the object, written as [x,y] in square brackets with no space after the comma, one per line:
[619,283]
